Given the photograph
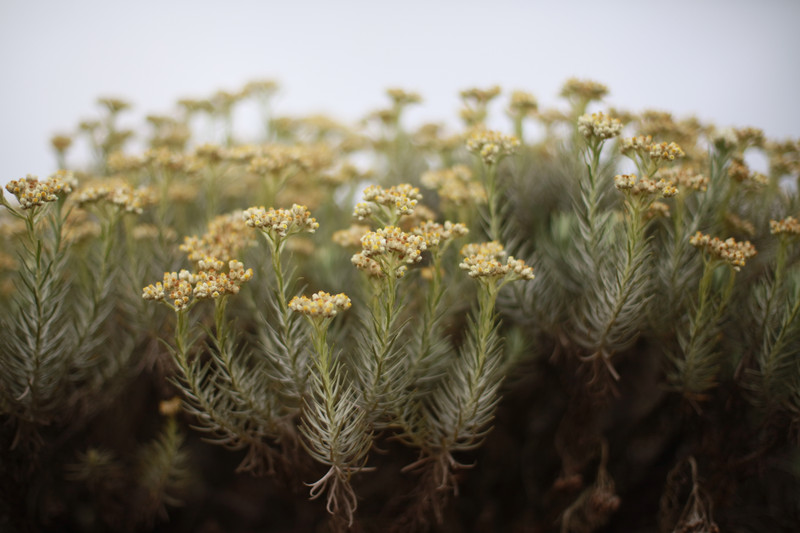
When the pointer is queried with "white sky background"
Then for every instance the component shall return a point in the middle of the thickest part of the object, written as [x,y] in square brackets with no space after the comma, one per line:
[731,62]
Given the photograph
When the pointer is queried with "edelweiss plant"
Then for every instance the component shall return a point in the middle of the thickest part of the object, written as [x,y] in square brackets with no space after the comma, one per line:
[641,377]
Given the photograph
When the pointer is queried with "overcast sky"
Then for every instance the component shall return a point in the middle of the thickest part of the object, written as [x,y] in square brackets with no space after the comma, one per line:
[728,61]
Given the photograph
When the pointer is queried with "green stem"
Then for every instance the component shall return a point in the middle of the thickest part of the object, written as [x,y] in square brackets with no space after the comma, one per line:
[432,301]
[493,194]
[635,236]
[384,313]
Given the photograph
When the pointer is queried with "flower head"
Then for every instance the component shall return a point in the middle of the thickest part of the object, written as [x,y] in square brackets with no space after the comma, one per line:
[483,261]
[436,234]
[389,247]
[684,178]
[649,156]
[114,105]
[31,192]
[61,143]
[455,184]
[175,289]
[350,237]
[480,96]
[741,173]
[400,199]
[730,251]
[492,146]
[665,152]
[226,235]
[522,104]
[630,184]
[599,126]
[787,226]
[583,90]
[401,97]
[281,222]
[124,197]
[210,282]
[320,305]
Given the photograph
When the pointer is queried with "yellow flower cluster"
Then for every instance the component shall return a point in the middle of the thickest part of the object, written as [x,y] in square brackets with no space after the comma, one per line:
[630,184]
[684,178]
[114,105]
[522,104]
[749,136]
[320,305]
[122,162]
[587,90]
[175,287]
[733,252]
[350,237]
[455,184]
[640,143]
[665,152]
[739,224]
[370,266]
[435,233]
[491,249]
[402,198]
[61,143]
[480,96]
[30,192]
[492,146]
[262,87]
[740,172]
[124,196]
[165,159]
[599,126]
[483,260]
[387,246]
[642,149]
[274,159]
[401,97]
[226,235]
[211,283]
[393,240]
[787,226]
[281,222]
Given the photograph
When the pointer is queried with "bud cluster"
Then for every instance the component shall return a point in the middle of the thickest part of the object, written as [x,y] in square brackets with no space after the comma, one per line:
[436,234]
[321,304]
[30,192]
[401,198]
[599,126]
[630,184]
[455,184]
[787,226]
[483,260]
[281,222]
[492,146]
[733,252]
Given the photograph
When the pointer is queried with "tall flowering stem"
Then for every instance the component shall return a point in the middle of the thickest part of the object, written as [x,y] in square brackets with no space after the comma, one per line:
[37,363]
[696,370]
[384,257]
[437,237]
[596,129]
[492,147]
[459,411]
[277,225]
[214,395]
[776,353]
[334,426]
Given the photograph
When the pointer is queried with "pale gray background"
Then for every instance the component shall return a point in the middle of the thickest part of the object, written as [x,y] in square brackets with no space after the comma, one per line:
[732,62]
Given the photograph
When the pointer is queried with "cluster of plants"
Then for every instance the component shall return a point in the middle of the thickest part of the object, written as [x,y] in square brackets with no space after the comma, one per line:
[588,322]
